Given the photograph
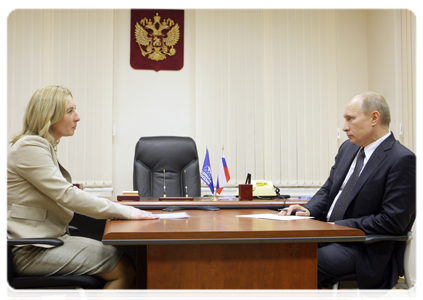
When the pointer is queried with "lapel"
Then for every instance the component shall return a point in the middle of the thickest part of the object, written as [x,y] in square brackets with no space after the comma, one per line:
[343,168]
[375,160]
[64,172]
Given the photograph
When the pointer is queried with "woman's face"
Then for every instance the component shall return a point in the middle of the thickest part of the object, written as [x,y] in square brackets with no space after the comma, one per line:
[67,125]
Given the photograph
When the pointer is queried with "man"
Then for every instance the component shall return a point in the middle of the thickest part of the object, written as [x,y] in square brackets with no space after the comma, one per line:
[378,197]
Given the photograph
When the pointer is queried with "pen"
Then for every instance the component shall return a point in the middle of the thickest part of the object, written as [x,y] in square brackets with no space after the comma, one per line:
[294,211]
[248,179]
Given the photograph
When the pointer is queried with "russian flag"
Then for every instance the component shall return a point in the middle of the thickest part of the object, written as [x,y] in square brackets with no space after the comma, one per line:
[223,177]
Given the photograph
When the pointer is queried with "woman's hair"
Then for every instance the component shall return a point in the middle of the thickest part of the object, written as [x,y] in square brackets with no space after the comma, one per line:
[46,107]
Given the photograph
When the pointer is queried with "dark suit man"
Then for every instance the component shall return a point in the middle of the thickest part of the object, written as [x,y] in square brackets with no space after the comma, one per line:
[381,200]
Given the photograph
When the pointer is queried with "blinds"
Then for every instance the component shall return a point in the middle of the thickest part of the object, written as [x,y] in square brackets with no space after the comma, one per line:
[265,87]
[266,91]
[72,48]
[408,71]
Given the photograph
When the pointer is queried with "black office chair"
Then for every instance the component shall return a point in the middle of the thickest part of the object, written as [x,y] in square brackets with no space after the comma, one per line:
[166,161]
[349,281]
[43,282]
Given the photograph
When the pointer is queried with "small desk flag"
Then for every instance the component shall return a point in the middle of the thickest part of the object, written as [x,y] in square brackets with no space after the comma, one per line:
[206,174]
[223,177]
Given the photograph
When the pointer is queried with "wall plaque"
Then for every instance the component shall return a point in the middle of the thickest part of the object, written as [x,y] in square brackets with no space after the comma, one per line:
[157,39]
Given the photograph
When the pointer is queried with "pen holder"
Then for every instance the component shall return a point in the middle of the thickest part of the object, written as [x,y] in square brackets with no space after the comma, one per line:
[245,192]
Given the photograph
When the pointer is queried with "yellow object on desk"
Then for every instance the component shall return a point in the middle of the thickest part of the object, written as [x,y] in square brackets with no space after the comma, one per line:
[263,188]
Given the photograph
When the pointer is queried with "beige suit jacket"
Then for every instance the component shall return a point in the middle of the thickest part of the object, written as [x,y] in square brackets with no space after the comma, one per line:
[41,199]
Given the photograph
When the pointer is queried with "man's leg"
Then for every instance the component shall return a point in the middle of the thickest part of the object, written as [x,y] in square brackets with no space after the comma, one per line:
[334,259]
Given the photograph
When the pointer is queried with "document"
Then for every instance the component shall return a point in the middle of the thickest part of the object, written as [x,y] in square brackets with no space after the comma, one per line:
[177,215]
[273,217]
[228,199]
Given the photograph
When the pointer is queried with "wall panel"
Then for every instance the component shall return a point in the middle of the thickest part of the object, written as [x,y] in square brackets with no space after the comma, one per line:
[408,56]
[267,78]
[72,48]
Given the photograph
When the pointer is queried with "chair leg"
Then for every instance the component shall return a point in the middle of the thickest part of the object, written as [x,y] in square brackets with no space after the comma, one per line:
[334,293]
[409,287]
[406,269]
[82,293]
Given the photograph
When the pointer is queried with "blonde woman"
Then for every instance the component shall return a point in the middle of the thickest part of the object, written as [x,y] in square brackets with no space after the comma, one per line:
[41,199]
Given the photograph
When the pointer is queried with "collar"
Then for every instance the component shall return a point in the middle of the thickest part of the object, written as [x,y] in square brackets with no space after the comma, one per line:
[369,149]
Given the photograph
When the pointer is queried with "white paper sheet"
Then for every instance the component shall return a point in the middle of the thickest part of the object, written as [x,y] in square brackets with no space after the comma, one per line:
[228,198]
[177,215]
[272,217]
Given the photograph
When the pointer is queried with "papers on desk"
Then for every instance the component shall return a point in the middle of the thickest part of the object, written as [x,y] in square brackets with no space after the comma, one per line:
[228,198]
[178,215]
[273,217]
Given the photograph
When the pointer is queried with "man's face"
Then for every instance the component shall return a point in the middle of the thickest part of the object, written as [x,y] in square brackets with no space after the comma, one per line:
[358,126]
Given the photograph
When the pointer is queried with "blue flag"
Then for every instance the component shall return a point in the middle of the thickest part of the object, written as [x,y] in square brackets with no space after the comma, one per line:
[206,174]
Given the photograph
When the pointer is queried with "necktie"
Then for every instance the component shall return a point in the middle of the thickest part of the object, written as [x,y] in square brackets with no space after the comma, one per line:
[343,200]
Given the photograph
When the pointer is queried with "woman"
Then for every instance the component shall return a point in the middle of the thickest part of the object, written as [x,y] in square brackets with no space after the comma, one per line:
[41,199]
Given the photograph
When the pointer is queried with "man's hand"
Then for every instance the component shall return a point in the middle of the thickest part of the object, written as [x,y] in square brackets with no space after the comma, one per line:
[288,212]
[138,214]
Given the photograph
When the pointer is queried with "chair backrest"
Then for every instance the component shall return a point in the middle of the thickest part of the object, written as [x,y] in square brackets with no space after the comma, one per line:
[166,160]
[399,249]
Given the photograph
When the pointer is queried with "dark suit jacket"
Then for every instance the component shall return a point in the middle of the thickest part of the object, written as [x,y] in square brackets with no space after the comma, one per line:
[382,202]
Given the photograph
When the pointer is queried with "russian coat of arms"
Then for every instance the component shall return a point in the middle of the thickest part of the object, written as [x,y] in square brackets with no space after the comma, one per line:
[158,38]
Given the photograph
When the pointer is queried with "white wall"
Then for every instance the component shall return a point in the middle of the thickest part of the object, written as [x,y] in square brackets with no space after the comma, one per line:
[148,103]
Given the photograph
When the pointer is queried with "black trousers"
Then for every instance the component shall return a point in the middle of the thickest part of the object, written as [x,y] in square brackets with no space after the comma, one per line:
[333,260]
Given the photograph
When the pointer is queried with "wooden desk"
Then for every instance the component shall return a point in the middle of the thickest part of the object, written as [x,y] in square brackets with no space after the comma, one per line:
[155,204]
[216,250]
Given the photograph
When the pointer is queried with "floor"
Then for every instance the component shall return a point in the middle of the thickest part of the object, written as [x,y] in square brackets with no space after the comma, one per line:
[394,294]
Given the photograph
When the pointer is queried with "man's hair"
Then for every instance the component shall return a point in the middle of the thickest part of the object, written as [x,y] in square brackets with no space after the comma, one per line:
[374,102]
[46,107]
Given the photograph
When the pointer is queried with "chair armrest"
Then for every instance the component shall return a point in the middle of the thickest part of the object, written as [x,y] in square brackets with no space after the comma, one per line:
[380,238]
[73,228]
[30,241]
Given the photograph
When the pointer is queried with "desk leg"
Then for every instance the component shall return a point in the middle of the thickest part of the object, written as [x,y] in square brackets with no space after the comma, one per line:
[232,266]
[141,267]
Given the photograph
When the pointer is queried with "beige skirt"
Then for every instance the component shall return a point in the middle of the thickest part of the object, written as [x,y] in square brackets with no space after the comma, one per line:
[77,256]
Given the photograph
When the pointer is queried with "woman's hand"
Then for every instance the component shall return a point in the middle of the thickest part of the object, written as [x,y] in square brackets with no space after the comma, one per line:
[138,214]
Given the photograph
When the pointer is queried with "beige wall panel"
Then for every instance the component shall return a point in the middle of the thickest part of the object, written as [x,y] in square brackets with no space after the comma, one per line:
[72,48]
[381,49]
[262,77]
[352,59]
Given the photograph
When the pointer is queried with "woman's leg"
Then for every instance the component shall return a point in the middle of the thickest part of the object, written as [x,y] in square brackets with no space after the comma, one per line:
[77,256]
[122,276]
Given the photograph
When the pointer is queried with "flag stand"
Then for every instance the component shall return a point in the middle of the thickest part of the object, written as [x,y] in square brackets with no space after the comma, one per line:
[214,198]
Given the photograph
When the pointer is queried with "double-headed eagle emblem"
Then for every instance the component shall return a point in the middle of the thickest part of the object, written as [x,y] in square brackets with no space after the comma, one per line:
[157,44]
